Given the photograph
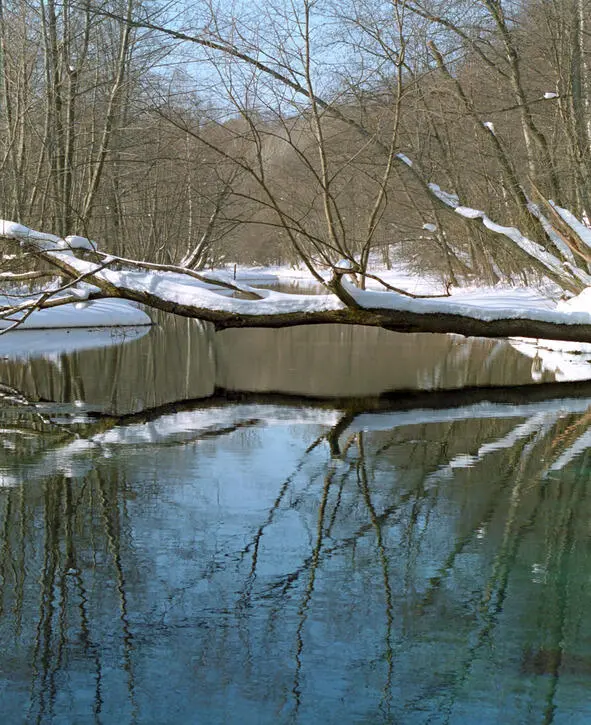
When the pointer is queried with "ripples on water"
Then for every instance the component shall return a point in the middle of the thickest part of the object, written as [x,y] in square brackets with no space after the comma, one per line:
[257,558]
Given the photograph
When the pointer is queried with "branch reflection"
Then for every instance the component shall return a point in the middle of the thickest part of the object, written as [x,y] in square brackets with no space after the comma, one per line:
[407,548]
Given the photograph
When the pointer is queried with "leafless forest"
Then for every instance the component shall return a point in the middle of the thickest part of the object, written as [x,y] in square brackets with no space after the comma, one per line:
[197,133]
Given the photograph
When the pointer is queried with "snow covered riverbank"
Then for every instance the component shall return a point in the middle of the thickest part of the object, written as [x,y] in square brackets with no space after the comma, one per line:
[98,313]
[66,328]
[73,327]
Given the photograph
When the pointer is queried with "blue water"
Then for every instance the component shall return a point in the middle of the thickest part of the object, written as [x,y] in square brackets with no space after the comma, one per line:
[291,562]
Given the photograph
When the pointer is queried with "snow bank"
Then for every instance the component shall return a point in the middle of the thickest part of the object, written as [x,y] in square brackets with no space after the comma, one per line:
[99,313]
[182,290]
[567,360]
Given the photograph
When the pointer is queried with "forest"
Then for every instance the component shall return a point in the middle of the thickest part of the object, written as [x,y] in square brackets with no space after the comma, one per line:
[454,136]
[329,523]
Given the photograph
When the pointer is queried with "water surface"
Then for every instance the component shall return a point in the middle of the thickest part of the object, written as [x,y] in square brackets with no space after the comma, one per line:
[182,359]
[267,558]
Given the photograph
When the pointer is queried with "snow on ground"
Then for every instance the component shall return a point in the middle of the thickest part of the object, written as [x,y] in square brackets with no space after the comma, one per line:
[399,276]
[178,289]
[97,313]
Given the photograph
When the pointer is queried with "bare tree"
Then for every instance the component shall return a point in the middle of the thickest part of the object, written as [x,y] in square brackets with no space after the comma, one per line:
[342,135]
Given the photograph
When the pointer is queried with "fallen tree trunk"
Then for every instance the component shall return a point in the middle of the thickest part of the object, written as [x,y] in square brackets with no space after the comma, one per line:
[190,295]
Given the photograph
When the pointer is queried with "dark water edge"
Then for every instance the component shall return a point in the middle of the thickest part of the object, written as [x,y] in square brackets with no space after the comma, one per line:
[268,553]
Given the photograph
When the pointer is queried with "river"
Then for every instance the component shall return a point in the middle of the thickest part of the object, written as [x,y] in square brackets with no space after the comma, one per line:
[316,525]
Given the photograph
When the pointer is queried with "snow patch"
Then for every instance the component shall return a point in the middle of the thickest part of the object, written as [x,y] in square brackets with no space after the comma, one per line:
[567,361]
[76,242]
[446,197]
[404,158]
[100,313]
[579,228]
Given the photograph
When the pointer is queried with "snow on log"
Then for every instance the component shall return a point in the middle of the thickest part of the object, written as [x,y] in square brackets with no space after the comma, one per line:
[582,231]
[534,250]
[185,295]
[571,276]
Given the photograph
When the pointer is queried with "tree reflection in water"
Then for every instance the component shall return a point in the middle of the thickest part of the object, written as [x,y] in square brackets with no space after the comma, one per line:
[418,560]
